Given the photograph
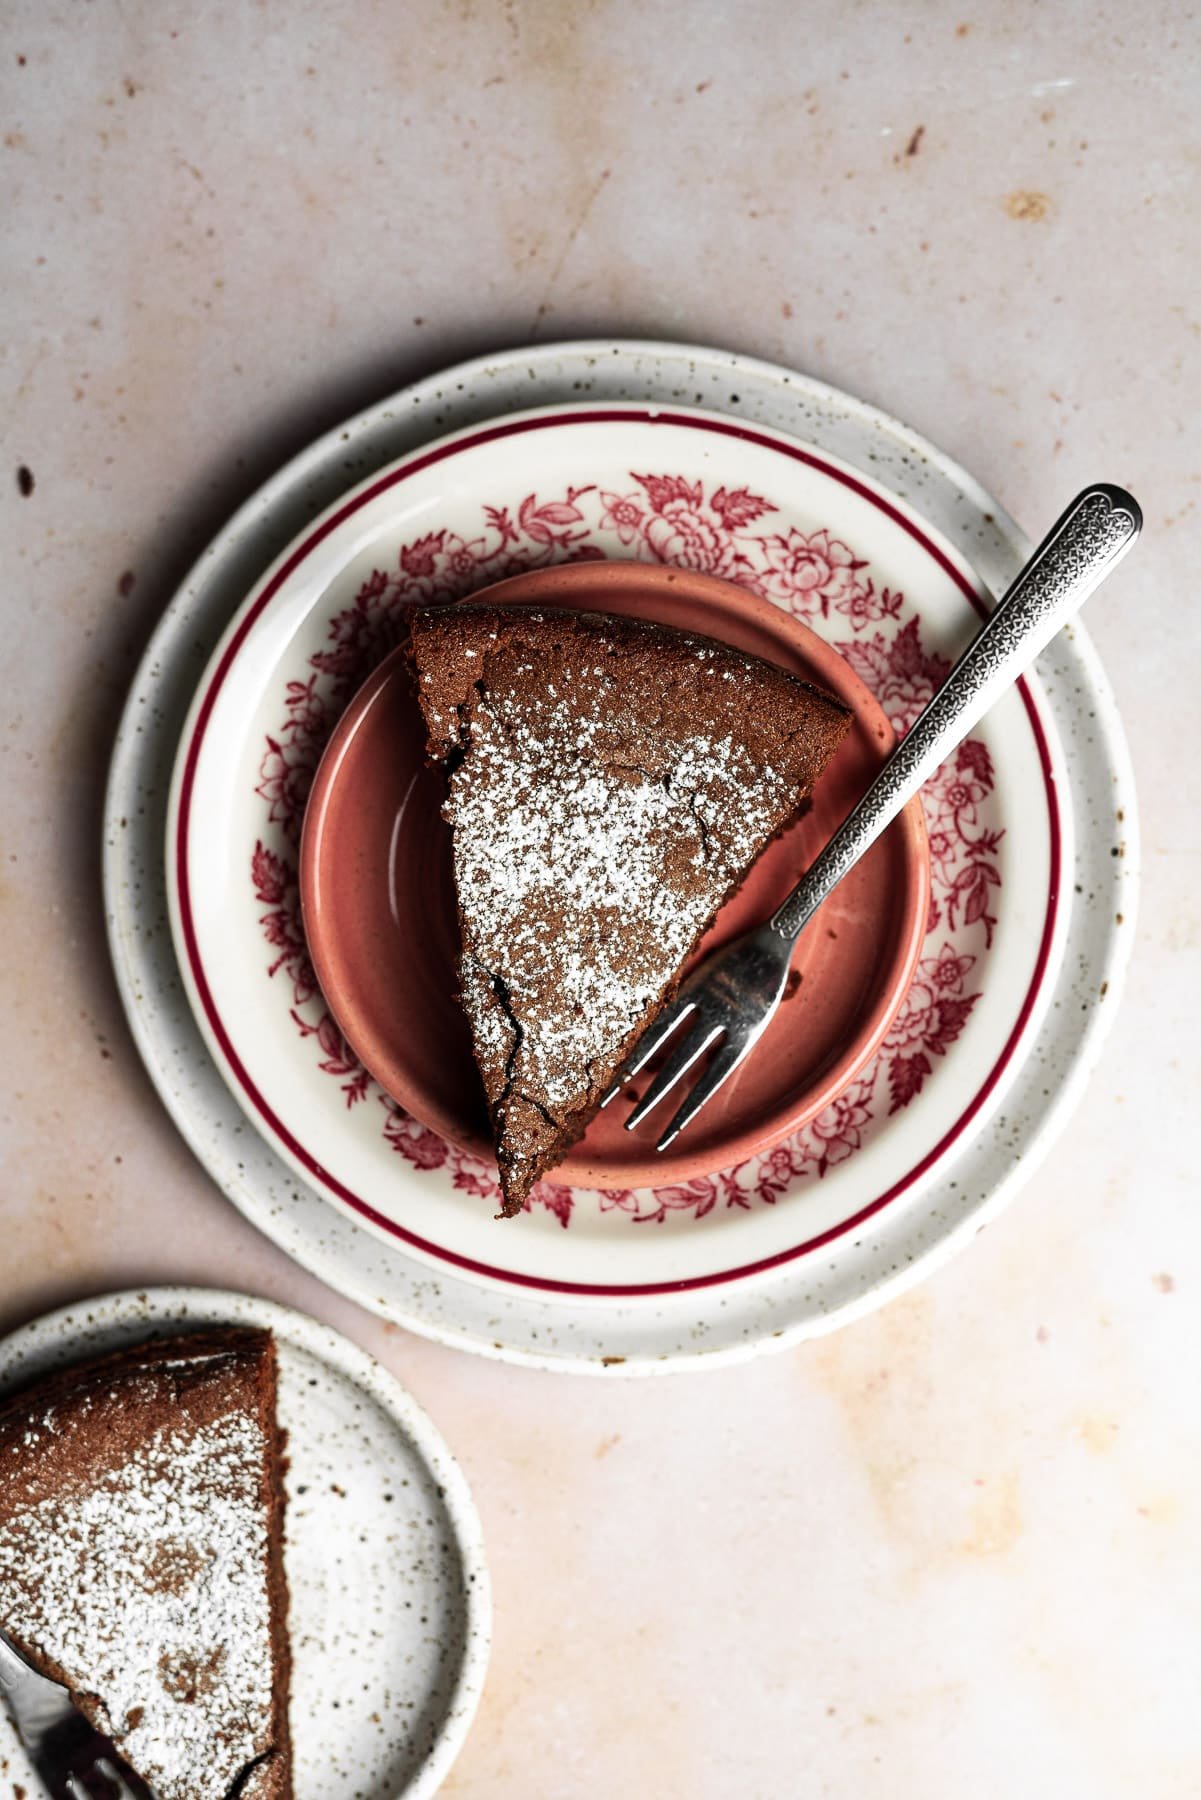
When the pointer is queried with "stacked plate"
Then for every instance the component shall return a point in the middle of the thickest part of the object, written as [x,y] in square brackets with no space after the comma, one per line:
[672,457]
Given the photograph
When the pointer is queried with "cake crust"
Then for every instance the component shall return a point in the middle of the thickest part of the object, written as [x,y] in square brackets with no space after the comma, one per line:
[609,784]
[141,1556]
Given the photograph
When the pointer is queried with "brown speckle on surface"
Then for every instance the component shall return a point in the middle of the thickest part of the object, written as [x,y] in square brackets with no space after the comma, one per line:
[1098,1434]
[786,309]
[1164,1283]
[995,1524]
[1027,203]
[702,85]
[606,1444]
[21,60]
[962,30]
[126,584]
[915,142]
[25,480]
[1042,1335]
[1161,1509]
[610,1362]
[131,87]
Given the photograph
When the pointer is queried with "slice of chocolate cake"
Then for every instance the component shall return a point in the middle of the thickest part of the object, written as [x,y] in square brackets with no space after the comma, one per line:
[141,1565]
[610,783]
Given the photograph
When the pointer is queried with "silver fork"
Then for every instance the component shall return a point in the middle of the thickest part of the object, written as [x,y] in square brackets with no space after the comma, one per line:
[729,1001]
[72,1758]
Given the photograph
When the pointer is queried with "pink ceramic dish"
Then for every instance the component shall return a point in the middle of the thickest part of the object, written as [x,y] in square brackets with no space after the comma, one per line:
[378,899]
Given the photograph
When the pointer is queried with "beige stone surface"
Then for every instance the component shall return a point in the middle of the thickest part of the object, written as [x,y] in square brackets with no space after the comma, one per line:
[954,1549]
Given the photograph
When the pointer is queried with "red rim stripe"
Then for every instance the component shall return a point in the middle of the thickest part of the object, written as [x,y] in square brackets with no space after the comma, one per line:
[488,434]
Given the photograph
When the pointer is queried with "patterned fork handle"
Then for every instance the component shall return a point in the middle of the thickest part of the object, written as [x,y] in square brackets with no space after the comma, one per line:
[1097,529]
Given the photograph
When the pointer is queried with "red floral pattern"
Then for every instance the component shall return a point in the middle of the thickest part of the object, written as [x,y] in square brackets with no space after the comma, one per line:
[815,575]
[811,574]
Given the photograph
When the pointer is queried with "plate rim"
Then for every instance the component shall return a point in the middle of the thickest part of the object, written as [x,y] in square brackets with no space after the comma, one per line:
[332,1347]
[528,1333]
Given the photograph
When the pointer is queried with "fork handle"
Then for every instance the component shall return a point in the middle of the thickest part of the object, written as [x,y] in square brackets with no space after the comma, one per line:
[1079,551]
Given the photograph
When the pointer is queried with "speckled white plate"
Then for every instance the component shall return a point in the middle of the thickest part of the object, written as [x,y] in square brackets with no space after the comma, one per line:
[830,1283]
[390,1612]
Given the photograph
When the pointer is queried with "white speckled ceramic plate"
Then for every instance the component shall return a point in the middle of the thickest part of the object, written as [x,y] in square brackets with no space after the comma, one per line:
[829,1283]
[389,1601]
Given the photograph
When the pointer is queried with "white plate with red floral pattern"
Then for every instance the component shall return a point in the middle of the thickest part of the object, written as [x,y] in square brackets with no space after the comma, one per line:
[666,486]
[998,1000]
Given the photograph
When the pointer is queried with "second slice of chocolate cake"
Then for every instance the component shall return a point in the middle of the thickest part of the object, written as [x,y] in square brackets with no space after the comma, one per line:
[141,1556]
[609,785]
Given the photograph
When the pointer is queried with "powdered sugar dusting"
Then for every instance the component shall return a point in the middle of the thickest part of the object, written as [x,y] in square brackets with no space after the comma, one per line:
[185,1673]
[629,859]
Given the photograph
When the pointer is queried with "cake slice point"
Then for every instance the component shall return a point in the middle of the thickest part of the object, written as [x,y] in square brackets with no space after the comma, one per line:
[141,1557]
[610,782]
